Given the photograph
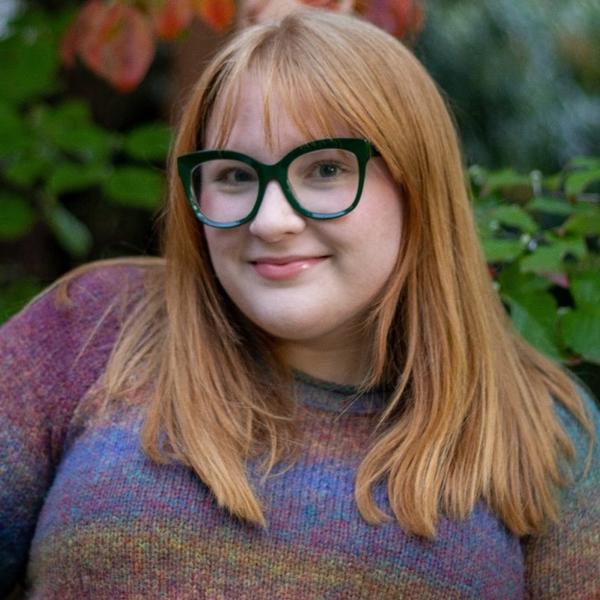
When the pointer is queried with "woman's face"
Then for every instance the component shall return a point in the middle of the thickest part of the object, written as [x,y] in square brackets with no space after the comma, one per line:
[305,282]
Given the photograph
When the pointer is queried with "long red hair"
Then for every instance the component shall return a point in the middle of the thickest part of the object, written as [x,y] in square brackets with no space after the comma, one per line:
[472,411]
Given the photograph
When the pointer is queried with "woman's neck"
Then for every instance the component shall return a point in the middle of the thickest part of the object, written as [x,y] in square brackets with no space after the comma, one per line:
[343,363]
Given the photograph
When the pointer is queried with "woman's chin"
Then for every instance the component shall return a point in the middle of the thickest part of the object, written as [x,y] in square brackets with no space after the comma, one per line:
[293,332]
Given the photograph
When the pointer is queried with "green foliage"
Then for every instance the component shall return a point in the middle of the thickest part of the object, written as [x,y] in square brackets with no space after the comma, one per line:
[51,147]
[71,233]
[53,155]
[148,142]
[29,59]
[541,237]
[134,186]
[17,217]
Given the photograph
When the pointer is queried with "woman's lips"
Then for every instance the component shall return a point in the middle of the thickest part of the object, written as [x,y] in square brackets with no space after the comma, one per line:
[279,269]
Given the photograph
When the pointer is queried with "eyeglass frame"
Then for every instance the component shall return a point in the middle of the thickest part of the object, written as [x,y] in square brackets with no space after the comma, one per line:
[186,163]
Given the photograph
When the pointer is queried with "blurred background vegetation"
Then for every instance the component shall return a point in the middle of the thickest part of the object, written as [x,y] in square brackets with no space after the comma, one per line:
[82,165]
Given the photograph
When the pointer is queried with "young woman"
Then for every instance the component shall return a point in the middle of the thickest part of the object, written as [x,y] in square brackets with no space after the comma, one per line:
[316,393]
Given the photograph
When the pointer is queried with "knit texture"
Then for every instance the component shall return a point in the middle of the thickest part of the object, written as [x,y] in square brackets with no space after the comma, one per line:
[85,514]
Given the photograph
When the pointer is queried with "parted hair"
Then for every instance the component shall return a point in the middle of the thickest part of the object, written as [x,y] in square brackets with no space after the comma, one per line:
[472,407]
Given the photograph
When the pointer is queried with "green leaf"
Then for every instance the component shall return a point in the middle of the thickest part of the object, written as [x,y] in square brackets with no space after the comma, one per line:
[501,250]
[506,178]
[71,233]
[14,135]
[548,259]
[135,187]
[552,206]
[17,217]
[535,318]
[585,162]
[577,182]
[27,168]
[585,288]
[71,177]
[515,216]
[69,126]
[584,223]
[149,142]
[580,330]
[514,282]
[569,245]
[29,60]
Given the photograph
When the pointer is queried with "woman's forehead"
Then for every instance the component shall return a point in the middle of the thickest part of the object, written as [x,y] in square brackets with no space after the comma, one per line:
[254,104]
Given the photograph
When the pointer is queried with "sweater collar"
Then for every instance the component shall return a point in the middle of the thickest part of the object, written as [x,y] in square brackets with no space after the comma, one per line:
[338,398]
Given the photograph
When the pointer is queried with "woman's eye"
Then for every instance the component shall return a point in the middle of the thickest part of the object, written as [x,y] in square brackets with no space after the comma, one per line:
[325,171]
[235,177]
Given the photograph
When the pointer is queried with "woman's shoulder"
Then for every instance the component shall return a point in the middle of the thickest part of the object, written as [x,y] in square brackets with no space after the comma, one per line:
[56,347]
[585,439]
[96,285]
[563,561]
[88,294]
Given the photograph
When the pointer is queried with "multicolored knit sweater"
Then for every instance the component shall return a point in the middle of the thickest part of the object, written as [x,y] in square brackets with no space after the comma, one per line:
[85,514]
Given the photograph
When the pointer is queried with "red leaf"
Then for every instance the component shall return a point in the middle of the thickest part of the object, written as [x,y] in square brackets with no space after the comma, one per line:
[68,46]
[218,14]
[398,17]
[172,17]
[119,46]
[79,30]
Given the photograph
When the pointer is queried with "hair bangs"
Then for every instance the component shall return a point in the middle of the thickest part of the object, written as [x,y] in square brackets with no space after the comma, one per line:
[290,79]
[307,99]
[221,102]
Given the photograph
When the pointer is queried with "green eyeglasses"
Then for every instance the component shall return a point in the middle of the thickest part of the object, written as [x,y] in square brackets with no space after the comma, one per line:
[322,179]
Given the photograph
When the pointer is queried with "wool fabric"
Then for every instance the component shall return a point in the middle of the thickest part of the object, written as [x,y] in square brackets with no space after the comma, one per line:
[85,514]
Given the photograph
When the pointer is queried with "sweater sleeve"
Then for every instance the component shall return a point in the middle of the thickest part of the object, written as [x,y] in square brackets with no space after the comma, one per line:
[50,354]
[564,562]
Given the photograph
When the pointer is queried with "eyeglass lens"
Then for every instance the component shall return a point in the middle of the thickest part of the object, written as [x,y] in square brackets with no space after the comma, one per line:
[322,181]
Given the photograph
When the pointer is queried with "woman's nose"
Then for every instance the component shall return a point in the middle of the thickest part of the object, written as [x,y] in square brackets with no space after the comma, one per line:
[276,218]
